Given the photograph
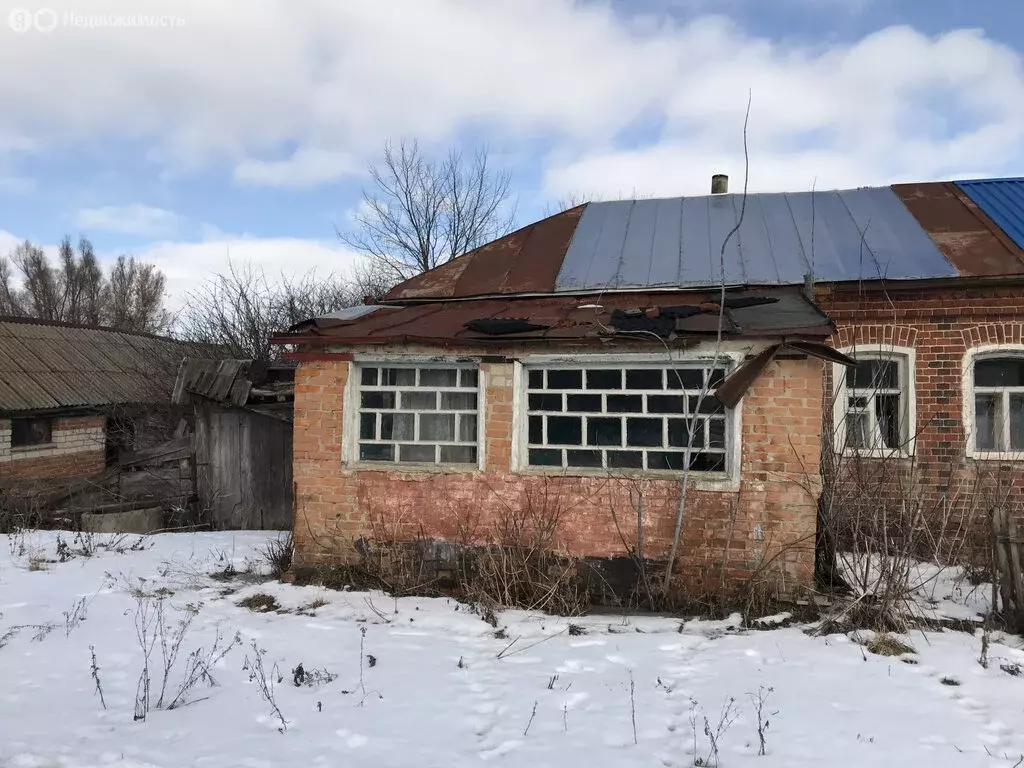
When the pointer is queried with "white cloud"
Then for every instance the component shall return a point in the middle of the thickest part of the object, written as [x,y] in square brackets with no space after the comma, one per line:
[188,264]
[8,242]
[322,83]
[305,168]
[133,219]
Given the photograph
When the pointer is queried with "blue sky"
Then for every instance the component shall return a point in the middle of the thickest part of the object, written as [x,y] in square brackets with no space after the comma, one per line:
[245,131]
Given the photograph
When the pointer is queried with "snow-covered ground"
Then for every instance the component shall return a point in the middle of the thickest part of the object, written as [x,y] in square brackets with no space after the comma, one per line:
[442,690]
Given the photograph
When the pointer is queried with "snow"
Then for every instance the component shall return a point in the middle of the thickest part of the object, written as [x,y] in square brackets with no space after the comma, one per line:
[444,690]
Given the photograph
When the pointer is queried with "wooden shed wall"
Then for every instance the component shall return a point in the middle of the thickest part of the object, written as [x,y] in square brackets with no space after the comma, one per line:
[243,469]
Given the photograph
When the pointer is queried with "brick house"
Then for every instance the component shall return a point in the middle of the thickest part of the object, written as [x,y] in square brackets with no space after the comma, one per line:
[933,417]
[72,397]
[583,322]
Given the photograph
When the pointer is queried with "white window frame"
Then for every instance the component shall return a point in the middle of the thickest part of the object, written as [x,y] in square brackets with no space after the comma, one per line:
[973,355]
[906,359]
[352,404]
[728,359]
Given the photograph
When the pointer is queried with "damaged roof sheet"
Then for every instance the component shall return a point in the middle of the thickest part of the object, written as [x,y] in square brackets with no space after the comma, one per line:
[50,366]
[904,232]
[644,317]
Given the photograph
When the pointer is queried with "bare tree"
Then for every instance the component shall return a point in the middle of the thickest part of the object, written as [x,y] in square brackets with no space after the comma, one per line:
[419,212]
[75,289]
[135,297]
[239,311]
[570,200]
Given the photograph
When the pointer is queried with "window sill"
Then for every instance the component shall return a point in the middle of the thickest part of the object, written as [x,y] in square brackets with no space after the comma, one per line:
[874,453]
[32,448]
[411,468]
[1013,456]
[709,481]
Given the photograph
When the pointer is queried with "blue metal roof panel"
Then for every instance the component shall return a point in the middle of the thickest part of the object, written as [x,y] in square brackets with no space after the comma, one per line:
[858,234]
[1002,200]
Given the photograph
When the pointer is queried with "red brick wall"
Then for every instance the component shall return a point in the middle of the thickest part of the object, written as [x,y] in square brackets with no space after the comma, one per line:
[727,534]
[941,325]
[77,450]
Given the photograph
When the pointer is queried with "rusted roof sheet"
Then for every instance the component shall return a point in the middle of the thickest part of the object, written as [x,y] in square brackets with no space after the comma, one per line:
[967,237]
[637,317]
[1002,200]
[525,261]
[46,366]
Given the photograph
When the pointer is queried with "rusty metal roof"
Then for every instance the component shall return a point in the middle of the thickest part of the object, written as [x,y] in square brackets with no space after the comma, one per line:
[903,232]
[46,366]
[637,317]
[969,239]
[525,261]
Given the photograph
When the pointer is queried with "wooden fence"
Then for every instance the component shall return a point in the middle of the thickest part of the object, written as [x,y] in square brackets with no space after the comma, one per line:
[1009,555]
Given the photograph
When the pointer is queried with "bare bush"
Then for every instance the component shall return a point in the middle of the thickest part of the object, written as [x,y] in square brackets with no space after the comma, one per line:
[156,628]
[265,683]
[277,554]
[890,525]
[713,733]
[759,700]
[239,311]
[311,678]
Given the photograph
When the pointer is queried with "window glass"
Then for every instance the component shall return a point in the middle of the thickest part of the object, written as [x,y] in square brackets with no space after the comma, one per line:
[650,417]
[422,415]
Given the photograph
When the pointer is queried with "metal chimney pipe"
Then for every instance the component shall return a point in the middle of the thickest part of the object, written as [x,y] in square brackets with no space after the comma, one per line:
[719,184]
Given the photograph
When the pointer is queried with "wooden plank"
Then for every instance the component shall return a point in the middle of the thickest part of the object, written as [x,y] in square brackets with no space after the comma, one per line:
[1017,582]
[173,450]
[1003,561]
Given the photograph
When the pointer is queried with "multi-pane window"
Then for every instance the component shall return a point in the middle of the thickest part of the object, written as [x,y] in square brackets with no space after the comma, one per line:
[876,393]
[999,404]
[424,415]
[647,418]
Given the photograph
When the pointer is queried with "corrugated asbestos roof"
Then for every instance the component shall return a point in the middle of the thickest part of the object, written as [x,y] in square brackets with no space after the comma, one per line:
[48,366]
[1002,200]
[766,313]
[903,232]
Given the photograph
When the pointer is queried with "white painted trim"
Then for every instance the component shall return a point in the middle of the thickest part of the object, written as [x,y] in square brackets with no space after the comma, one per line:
[909,361]
[967,398]
[734,351]
[350,419]
[519,420]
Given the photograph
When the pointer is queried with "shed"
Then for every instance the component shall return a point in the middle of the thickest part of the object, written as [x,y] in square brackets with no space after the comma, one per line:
[241,432]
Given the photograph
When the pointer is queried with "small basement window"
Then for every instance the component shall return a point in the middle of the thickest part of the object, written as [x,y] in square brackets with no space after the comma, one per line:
[418,415]
[614,418]
[999,404]
[29,432]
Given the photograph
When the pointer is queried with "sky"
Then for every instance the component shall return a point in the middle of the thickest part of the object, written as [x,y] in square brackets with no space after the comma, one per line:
[191,133]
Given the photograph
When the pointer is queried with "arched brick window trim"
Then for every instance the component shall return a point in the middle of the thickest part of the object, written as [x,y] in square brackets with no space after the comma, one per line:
[992,334]
[875,335]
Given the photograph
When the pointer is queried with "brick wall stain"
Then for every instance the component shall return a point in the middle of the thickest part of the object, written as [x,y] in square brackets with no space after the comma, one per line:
[766,526]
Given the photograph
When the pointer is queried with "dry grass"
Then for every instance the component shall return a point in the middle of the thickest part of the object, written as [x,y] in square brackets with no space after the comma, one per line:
[888,645]
[260,603]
